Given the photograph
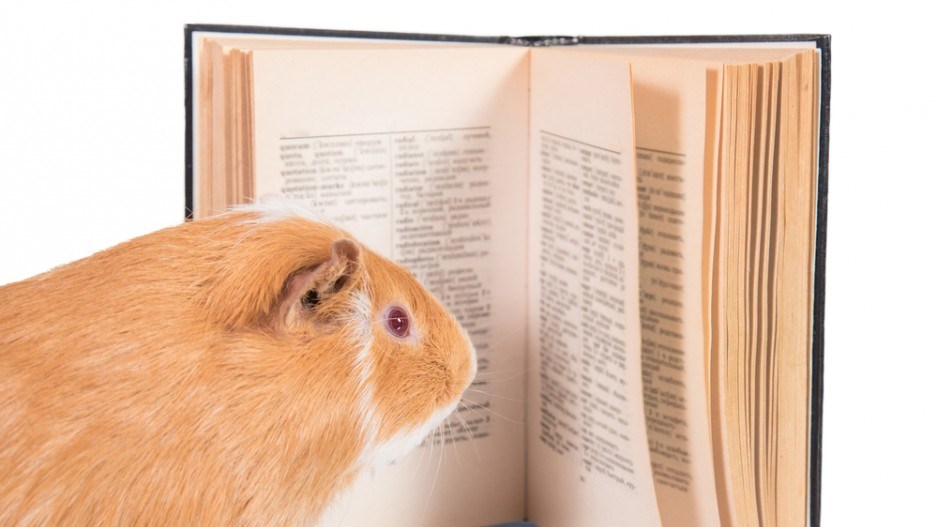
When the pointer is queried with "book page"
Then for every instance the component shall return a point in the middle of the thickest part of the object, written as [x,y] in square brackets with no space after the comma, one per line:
[760,455]
[213,71]
[421,154]
[675,137]
[588,458]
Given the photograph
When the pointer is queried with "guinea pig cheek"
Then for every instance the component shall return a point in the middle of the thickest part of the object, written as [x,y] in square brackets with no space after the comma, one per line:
[468,374]
[463,366]
[473,360]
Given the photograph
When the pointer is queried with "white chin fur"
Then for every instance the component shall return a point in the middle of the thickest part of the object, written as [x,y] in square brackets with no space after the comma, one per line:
[406,441]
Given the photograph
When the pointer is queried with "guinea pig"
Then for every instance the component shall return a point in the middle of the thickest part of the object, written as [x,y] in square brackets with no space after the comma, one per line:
[237,370]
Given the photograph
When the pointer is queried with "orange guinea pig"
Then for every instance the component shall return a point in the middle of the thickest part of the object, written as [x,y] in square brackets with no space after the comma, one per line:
[238,370]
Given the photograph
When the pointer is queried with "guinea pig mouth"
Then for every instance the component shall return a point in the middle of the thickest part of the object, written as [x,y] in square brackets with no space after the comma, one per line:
[443,414]
[407,440]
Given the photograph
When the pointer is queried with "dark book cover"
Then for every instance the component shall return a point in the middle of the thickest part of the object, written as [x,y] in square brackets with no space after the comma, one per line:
[821,42]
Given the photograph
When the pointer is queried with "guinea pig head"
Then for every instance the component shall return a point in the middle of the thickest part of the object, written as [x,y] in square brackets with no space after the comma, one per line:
[417,361]
[411,360]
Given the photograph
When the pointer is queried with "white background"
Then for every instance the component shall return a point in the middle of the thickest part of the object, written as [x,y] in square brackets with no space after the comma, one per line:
[91,153]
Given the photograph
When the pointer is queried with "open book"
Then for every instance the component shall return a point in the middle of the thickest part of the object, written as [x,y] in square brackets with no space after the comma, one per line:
[627,230]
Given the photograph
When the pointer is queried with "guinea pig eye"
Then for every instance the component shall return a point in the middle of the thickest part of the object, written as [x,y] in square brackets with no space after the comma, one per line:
[397,322]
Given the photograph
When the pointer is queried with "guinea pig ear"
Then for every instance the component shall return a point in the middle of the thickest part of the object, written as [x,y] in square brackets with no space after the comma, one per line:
[308,292]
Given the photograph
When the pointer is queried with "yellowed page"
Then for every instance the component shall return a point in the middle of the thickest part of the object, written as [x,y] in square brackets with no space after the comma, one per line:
[203,127]
[588,459]
[796,286]
[671,98]
[422,155]
[757,442]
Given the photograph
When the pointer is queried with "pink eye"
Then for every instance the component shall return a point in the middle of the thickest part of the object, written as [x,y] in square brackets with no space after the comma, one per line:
[397,322]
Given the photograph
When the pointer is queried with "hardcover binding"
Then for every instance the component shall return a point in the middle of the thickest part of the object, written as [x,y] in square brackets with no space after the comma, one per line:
[821,42]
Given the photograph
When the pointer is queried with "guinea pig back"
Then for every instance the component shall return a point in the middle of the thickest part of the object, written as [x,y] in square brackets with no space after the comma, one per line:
[238,370]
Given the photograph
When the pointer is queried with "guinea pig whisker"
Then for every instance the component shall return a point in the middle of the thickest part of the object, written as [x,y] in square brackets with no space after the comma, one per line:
[450,438]
[442,434]
[493,412]
[469,434]
[426,456]
[432,441]
[515,375]
[436,477]
[500,339]
[421,460]
[495,395]
[453,438]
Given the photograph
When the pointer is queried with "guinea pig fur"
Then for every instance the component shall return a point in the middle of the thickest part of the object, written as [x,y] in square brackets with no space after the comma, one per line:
[238,370]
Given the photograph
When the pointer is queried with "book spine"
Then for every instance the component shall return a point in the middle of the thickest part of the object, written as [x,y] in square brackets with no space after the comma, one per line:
[542,41]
